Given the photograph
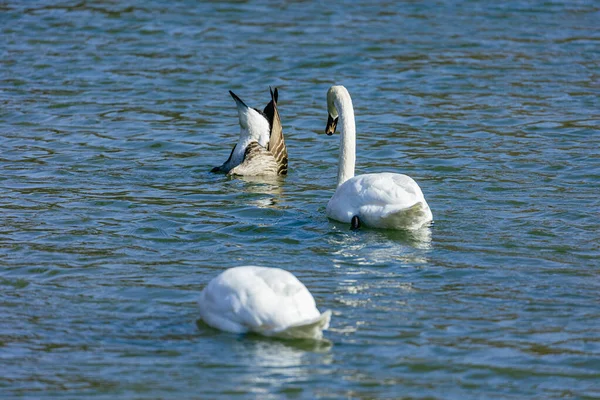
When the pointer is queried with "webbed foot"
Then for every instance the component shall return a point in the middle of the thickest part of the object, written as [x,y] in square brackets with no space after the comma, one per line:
[355,223]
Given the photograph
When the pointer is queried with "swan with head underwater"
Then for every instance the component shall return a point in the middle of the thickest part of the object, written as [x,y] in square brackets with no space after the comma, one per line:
[380,200]
[260,149]
[267,301]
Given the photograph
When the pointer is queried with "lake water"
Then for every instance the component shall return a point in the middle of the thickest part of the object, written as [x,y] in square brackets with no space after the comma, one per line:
[112,113]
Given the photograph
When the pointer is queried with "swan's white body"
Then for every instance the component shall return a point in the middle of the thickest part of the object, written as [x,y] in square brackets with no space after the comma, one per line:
[268,301]
[382,200]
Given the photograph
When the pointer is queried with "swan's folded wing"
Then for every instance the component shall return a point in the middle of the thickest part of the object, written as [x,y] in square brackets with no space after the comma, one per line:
[391,201]
[257,161]
[276,142]
[386,189]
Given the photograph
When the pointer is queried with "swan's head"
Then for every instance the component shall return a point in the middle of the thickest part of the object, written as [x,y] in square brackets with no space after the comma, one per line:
[253,122]
[334,95]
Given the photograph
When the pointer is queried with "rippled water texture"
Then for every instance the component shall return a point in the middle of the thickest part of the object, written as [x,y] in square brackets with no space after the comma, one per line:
[113,112]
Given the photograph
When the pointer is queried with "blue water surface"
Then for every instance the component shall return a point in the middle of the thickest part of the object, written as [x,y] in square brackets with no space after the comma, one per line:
[112,114]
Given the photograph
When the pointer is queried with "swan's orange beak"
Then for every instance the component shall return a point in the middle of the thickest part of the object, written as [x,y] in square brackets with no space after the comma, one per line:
[331,125]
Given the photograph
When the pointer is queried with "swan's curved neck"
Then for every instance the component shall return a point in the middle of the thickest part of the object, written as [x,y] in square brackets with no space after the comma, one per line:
[347,160]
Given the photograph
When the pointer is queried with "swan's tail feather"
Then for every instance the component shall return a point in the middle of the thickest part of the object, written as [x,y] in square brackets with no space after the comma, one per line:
[308,330]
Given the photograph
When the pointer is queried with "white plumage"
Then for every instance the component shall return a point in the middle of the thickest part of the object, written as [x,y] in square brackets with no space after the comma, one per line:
[382,200]
[268,301]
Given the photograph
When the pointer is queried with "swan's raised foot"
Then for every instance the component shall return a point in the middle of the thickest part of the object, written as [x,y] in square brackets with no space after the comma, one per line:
[355,223]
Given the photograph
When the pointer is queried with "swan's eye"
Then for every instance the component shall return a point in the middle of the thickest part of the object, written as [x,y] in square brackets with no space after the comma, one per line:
[331,125]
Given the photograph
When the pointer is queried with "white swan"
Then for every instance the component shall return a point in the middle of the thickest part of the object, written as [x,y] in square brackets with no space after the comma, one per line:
[382,200]
[268,301]
[260,149]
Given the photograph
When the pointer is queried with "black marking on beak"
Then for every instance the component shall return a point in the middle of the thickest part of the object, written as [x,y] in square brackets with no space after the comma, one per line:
[237,99]
[331,125]
[355,223]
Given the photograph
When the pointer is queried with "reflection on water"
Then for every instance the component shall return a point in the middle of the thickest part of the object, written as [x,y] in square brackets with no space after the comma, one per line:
[270,345]
[263,185]
[369,247]
[281,352]
[286,358]
[281,363]
[418,238]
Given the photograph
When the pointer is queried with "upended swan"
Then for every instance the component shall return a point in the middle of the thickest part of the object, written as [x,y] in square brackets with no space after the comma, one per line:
[381,200]
[268,301]
[260,149]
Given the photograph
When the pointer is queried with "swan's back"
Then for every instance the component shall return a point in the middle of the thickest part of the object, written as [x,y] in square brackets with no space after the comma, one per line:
[383,200]
[263,300]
